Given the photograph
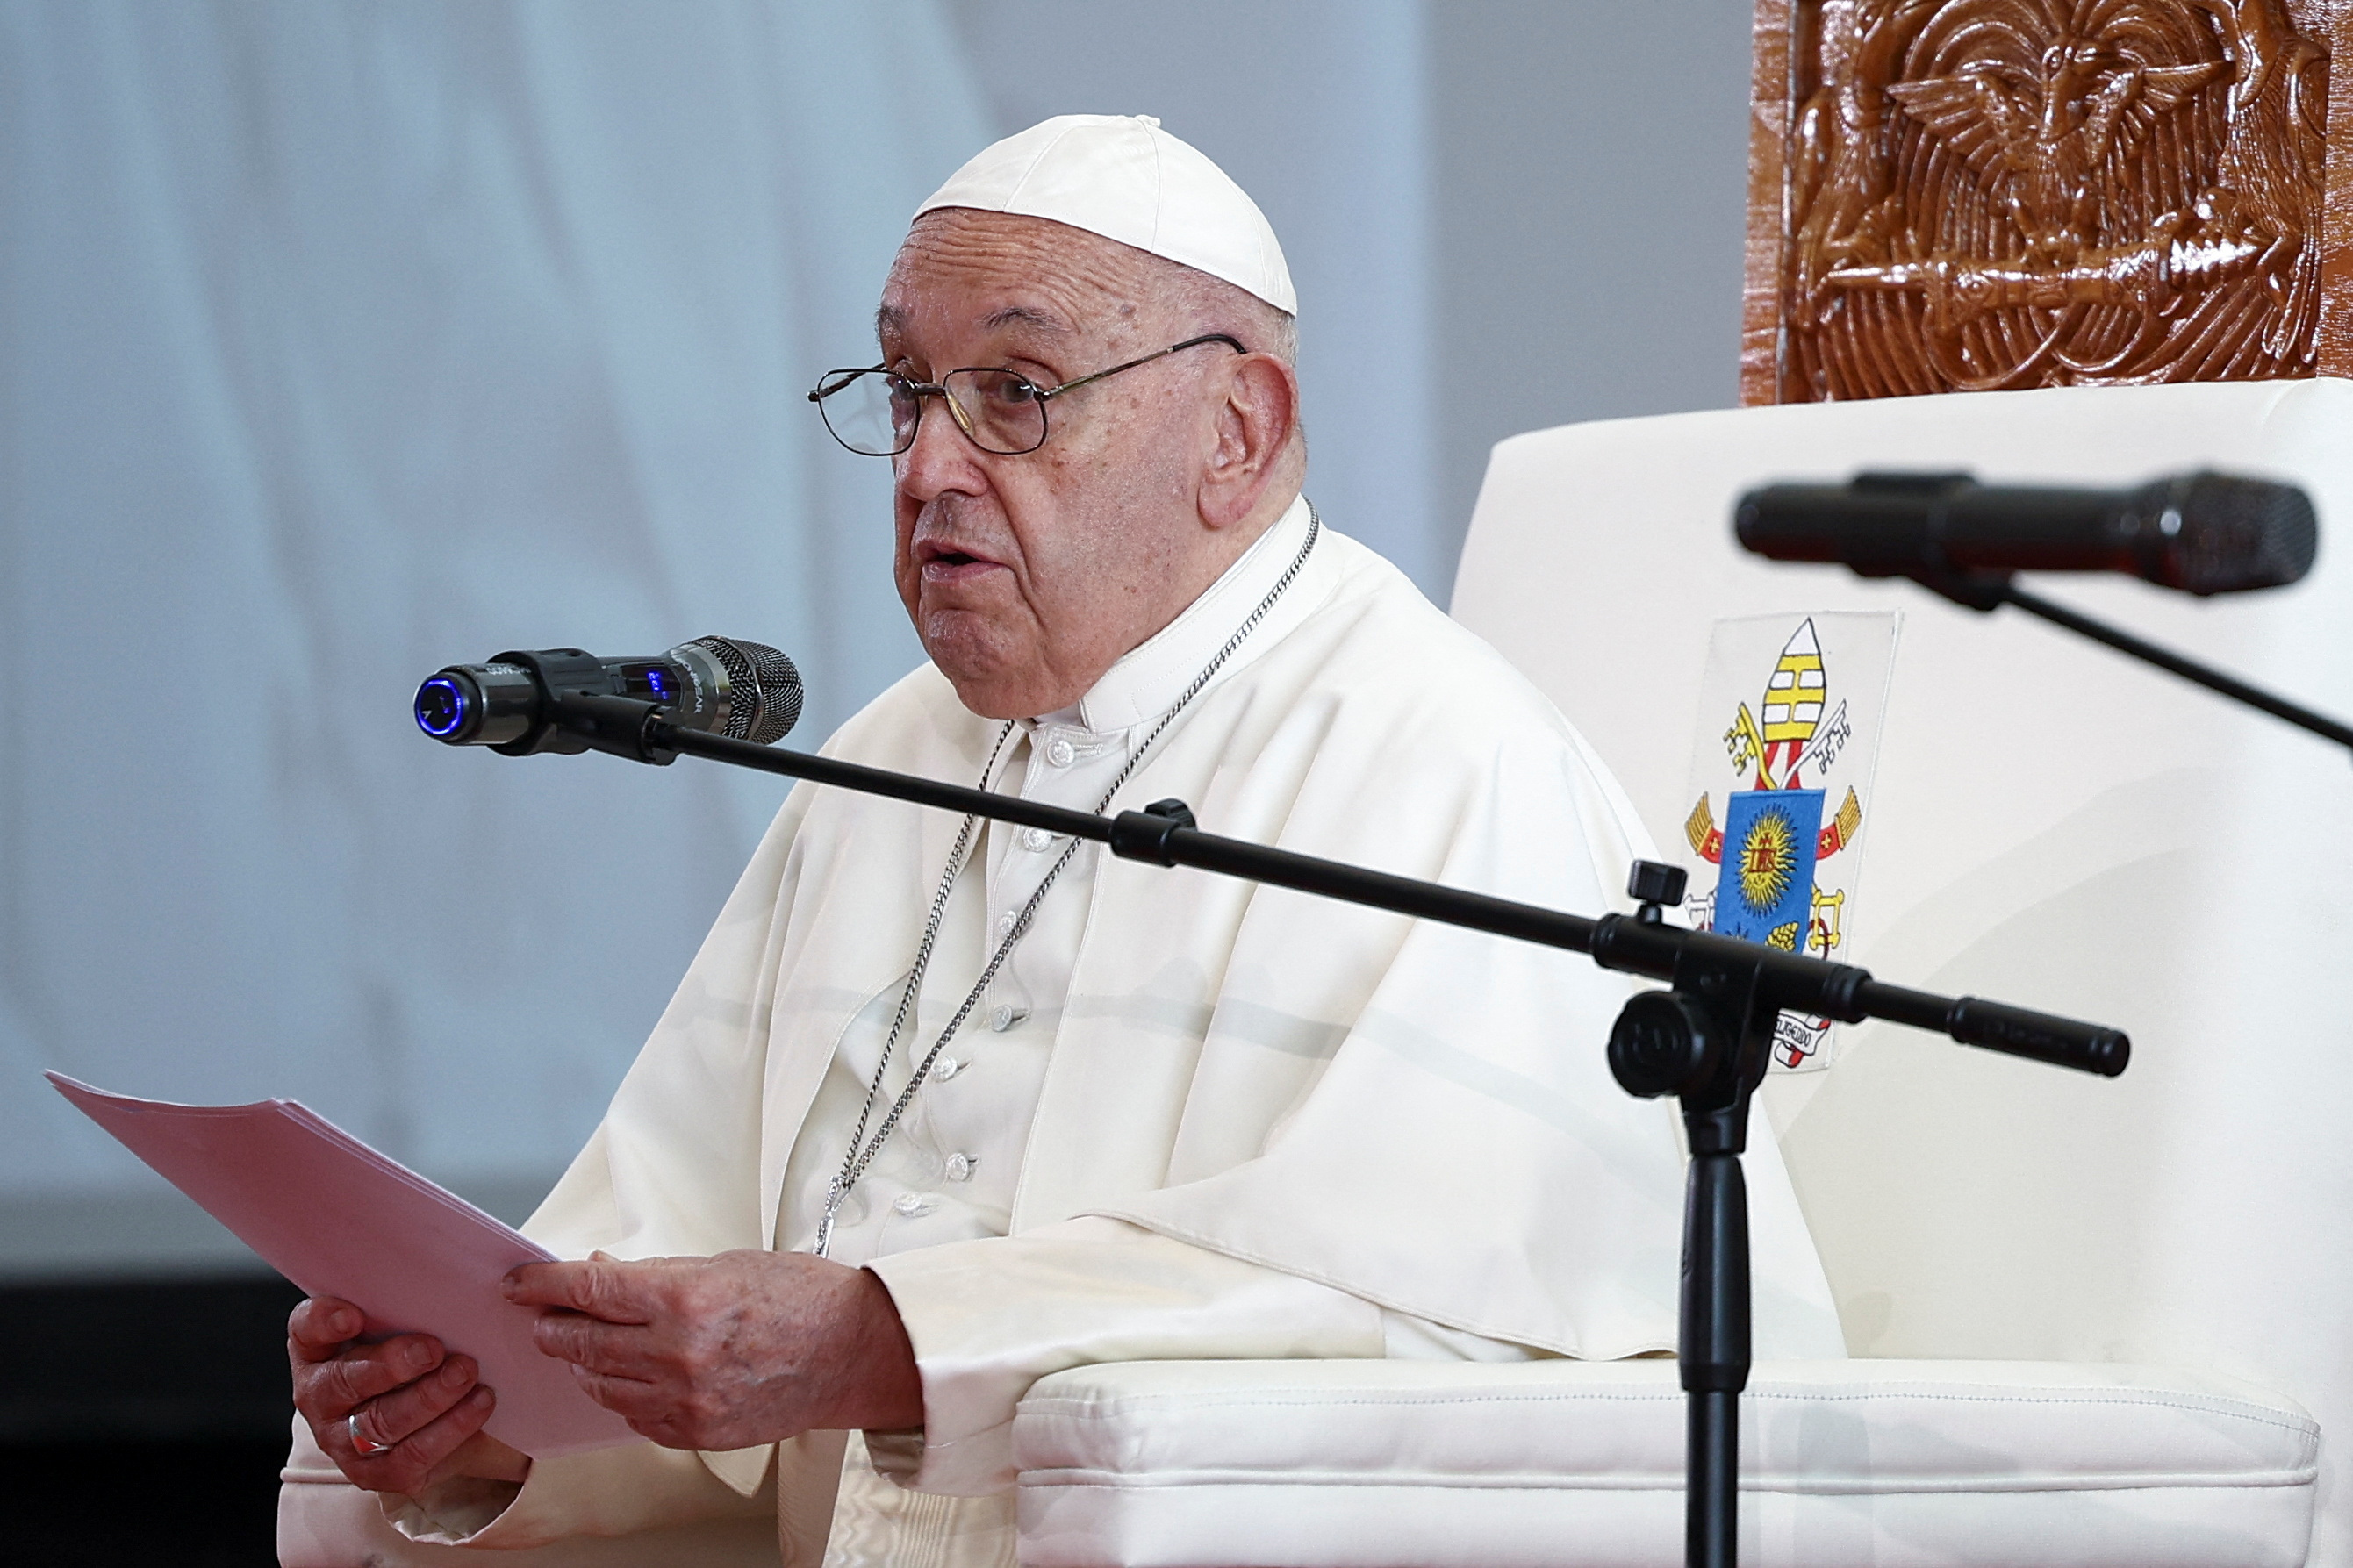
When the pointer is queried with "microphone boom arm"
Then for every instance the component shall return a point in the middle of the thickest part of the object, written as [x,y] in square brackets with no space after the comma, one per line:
[1987,592]
[1165,834]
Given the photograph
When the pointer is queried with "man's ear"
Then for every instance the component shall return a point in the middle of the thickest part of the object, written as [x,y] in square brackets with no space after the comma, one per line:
[1252,432]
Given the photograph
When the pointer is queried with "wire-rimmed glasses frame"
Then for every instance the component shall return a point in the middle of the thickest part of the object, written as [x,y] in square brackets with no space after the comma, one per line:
[1000,411]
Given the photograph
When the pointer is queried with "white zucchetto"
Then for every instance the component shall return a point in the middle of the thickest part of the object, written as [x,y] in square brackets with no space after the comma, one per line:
[1120,176]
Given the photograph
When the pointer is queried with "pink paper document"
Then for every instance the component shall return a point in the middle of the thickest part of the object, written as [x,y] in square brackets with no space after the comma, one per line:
[339,1219]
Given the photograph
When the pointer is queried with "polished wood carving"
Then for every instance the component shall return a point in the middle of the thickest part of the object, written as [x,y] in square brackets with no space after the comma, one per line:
[1974,194]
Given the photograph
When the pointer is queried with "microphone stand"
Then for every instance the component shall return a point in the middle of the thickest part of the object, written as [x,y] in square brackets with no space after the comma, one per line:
[1987,592]
[1706,1039]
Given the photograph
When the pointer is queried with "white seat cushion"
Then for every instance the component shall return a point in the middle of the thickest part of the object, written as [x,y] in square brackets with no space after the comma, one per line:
[1884,1463]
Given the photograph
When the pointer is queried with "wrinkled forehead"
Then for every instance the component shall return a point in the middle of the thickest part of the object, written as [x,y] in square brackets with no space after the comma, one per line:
[962,273]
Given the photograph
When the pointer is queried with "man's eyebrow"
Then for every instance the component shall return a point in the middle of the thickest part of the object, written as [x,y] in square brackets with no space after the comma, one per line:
[890,319]
[1026,316]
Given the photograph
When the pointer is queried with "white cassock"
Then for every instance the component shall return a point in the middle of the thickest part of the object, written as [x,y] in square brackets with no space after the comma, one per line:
[1193,1117]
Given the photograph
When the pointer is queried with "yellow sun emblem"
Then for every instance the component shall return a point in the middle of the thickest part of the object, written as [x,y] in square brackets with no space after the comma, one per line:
[1768,860]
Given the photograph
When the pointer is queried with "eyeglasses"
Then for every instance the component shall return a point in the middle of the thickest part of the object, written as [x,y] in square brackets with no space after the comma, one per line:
[874,411]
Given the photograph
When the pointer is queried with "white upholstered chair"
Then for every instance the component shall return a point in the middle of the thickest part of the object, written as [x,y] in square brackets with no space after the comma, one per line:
[2095,1322]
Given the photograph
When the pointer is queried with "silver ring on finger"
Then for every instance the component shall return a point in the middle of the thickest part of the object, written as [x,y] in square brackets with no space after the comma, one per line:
[368,1447]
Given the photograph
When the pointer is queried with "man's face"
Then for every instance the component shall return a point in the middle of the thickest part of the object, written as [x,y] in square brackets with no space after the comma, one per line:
[1027,576]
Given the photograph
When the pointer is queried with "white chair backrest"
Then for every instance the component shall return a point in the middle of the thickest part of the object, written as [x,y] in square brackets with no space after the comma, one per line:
[2056,826]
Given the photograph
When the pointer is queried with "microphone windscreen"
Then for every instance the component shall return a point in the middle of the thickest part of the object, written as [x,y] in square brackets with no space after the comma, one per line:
[2235,533]
[765,689]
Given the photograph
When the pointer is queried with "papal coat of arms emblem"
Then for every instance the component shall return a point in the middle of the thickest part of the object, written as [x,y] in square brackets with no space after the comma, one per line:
[1784,853]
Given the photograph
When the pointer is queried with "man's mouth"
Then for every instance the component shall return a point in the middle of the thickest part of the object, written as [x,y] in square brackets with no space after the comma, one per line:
[939,559]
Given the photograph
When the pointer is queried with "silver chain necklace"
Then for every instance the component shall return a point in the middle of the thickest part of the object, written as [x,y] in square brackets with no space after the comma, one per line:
[863,1148]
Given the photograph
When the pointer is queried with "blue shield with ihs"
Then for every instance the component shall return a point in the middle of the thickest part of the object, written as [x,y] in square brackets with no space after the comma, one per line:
[1765,892]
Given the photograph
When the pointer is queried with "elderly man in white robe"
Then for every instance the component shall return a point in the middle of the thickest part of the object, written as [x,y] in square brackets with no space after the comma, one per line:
[942,1106]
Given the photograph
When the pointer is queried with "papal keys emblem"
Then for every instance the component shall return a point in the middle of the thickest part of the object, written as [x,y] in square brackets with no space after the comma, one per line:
[1774,833]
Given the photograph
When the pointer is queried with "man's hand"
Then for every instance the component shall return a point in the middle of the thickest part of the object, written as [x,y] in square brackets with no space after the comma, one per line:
[425,1408]
[728,1351]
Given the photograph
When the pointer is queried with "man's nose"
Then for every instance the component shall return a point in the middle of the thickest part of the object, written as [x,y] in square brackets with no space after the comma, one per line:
[940,460]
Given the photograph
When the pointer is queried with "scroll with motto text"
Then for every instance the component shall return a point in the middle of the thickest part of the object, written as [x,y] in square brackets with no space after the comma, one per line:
[1950,195]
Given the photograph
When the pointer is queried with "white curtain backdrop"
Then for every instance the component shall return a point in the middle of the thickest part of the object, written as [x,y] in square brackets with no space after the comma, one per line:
[343,341]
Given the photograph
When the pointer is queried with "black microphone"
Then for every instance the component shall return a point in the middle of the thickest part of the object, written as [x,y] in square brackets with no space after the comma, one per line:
[2202,533]
[746,691]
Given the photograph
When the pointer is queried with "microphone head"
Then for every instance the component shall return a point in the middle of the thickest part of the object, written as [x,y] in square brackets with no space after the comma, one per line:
[2215,533]
[764,689]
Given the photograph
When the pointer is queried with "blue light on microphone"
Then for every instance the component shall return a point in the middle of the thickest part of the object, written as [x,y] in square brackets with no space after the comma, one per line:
[442,708]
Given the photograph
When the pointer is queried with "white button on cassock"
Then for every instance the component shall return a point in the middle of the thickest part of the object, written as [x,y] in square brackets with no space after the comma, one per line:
[1036,841]
[945,1069]
[1060,752]
[1005,1018]
[959,1167]
[912,1204]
